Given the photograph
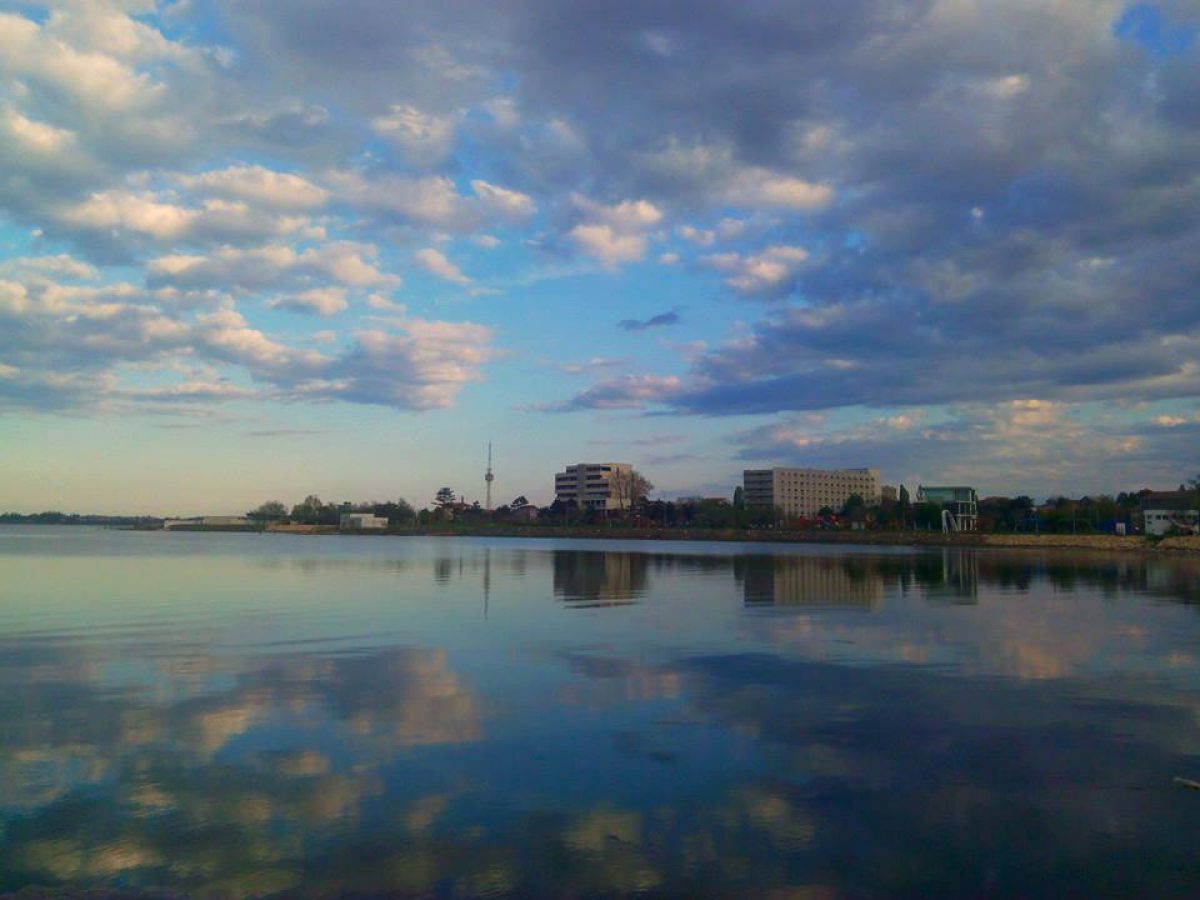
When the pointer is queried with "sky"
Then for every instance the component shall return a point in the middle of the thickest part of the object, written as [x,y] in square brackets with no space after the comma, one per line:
[254,250]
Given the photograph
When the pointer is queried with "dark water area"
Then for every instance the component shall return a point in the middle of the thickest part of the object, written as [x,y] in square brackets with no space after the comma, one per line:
[259,715]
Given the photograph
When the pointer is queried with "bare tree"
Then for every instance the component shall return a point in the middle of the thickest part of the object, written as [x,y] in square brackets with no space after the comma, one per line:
[628,487]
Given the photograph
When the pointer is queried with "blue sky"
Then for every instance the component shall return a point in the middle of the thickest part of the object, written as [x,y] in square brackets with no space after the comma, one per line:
[253,250]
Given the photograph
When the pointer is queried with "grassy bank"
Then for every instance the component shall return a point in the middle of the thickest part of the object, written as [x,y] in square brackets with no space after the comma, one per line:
[1103,542]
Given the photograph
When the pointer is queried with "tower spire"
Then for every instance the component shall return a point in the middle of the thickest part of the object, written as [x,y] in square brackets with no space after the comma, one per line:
[489,478]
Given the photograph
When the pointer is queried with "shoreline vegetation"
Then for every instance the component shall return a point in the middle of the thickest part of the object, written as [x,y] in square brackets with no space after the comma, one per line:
[1100,542]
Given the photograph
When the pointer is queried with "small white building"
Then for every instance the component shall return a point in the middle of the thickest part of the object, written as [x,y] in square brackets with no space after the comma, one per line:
[362,522]
[1166,511]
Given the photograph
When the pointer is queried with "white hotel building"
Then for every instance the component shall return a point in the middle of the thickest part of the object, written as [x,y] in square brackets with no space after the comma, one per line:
[804,492]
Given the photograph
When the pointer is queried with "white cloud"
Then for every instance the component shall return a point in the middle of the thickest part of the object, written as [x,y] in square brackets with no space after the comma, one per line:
[432,200]
[436,263]
[256,184]
[384,304]
[609,246]
[614,234]
[503,203]
[628,215]
[80,75]
[57,266]
[758,188]
[699,237]
[159,217]
[423,367]
[270,265]
[66,346]
[769,273]
[140,213]
[34,137]
[425,139]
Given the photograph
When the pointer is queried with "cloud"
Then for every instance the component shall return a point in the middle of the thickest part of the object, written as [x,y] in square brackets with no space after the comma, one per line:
[626,392]
[317,301]
[938,218]
[614,234]
[609,246]
[665,318]
[430,201]
[425,139]
[1022,446]
[503,204]
[436,263]
[65,347]
[761,189]
[593,365]
[769,274]
[422,367]
[698,236]
[271,265]
[127,216]
[58,266]
[259,185]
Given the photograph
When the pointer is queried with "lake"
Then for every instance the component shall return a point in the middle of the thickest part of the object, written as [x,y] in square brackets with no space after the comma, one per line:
[248,715]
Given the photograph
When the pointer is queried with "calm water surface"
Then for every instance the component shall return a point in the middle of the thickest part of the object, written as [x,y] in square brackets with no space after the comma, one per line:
[234,715]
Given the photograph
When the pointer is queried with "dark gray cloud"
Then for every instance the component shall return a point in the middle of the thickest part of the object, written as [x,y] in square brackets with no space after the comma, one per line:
[664,318]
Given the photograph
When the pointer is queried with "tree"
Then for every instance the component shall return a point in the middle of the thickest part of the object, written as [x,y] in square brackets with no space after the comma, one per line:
[271,511]
[309,510]
[397,513]
[628,488]
[854,504]
[739,497]
[445,497]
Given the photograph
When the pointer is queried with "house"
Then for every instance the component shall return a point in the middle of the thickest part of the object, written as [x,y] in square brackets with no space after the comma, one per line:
[1166,511]
[524,514]
[361,522]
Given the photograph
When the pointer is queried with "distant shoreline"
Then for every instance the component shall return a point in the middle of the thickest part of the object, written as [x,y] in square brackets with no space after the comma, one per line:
[1096,542]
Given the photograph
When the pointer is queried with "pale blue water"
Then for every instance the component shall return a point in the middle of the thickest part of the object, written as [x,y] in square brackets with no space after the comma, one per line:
[249,715]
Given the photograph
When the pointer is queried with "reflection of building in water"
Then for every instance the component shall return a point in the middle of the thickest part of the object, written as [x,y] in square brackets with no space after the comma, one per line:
[810,581]
[960,574]
[1177,579]
[599,579]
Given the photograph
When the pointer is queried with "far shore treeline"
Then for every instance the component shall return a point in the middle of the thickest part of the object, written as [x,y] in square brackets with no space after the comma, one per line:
[1059,515]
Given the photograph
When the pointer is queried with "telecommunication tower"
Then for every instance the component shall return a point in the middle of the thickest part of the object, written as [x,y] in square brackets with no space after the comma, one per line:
[489,478]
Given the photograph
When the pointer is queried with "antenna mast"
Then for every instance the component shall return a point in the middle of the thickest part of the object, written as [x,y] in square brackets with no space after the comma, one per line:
[489,478]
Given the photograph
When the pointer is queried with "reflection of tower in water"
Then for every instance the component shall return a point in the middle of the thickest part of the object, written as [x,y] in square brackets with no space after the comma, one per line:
[801,581]
[588,578]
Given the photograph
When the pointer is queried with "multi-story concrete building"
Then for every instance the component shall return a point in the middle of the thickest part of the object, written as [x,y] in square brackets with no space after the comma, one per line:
[805,492]
[595,485]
